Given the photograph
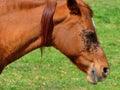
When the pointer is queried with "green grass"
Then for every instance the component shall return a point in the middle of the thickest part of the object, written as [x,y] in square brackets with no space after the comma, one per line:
[55,72]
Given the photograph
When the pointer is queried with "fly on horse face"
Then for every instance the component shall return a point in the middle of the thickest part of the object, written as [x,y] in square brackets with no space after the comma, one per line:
[26,25]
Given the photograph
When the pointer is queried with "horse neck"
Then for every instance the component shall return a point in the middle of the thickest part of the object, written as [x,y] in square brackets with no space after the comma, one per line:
[25,34]
[21,26]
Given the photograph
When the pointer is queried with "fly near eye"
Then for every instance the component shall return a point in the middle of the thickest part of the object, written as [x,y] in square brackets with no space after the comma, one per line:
[91,36]
[90,39]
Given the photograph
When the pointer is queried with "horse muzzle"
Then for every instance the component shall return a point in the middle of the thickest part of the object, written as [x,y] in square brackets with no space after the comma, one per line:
[94,77]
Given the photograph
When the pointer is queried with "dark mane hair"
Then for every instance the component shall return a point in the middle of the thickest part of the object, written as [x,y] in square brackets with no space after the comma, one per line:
[47,24]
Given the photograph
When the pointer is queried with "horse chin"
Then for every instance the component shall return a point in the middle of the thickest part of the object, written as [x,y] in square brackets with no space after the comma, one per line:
[1,69]
[92,80]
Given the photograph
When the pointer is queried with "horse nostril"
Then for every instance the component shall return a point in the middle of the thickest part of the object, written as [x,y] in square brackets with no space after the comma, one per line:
[105,71]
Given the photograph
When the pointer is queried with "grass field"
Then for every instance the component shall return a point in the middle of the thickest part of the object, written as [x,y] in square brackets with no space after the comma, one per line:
[55,72]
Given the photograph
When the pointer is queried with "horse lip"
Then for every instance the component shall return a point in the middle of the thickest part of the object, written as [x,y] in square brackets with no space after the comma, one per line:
[93,76]
[91,81]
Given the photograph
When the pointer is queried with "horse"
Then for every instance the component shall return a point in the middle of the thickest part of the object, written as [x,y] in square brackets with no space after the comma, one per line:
[67,25]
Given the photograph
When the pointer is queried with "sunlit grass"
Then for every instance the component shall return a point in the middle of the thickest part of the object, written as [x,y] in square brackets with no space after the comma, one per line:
[55,72]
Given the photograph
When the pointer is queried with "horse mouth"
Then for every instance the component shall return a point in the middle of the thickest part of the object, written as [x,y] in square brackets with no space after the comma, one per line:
[93,77]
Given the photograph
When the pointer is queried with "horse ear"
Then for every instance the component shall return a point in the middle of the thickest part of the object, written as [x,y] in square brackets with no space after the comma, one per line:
[73,7]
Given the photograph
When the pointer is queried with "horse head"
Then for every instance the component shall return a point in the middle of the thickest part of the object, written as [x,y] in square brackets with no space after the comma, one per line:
[75,36]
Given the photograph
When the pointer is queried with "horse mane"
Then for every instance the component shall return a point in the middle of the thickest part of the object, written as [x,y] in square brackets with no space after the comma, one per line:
[47,24]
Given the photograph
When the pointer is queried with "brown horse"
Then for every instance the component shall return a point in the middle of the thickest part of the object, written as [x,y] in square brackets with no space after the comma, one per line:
[26,25]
